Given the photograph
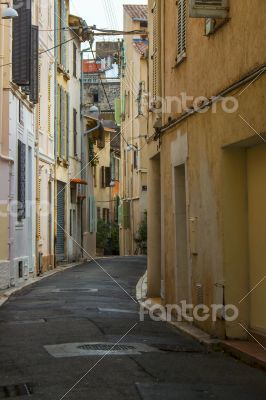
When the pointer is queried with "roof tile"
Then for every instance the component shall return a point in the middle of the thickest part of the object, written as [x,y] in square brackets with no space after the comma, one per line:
[139,11]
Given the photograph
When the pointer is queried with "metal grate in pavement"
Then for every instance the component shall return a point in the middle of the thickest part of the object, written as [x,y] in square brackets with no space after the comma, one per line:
[98,349]
[106,347]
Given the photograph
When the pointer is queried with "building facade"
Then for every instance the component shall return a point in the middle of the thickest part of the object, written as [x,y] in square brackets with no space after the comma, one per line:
[134,128]
[18,85]
[206,166]
[44,202]
[45,137]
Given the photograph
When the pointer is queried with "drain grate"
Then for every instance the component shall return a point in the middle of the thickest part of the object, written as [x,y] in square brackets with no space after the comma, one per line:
[106,347]
[21,389]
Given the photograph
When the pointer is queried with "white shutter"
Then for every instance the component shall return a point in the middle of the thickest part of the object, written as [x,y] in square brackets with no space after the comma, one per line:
[209,8]
[181,27]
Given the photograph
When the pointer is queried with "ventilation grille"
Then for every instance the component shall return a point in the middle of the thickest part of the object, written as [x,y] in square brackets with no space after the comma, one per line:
[106,347]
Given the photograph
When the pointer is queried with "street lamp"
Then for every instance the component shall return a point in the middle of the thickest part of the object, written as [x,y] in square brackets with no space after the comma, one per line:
[9,12]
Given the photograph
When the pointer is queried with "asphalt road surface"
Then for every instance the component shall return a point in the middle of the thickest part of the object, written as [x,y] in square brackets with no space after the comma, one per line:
[77,335]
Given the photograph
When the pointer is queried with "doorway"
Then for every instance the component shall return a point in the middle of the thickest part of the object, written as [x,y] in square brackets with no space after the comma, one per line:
[256,182]
[182,267]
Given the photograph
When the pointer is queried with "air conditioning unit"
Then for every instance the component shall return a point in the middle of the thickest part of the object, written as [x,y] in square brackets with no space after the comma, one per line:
[209,8]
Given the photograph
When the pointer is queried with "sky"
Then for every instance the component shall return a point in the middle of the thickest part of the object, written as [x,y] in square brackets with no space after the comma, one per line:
[102,13]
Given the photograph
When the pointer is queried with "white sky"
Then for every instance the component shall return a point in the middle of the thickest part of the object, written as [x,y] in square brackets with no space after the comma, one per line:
[103,13]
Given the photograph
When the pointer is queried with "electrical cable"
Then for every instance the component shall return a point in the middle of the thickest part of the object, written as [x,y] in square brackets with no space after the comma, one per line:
[44,51]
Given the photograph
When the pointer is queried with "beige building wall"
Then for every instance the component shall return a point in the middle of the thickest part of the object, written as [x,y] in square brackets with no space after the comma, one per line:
[212,165]
[134,91]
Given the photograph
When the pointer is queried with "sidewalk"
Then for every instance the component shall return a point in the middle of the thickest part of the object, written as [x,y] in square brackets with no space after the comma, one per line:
[249,352]
[5,294]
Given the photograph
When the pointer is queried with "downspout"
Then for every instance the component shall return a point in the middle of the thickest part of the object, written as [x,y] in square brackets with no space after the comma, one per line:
[37,183]
[55,124]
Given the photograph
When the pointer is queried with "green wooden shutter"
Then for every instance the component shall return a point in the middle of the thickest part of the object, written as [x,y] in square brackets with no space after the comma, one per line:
[120,215]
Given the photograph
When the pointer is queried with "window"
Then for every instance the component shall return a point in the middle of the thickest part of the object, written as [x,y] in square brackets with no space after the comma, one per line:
[107,176]
[95,97]
[99,213]
[74,60]
[20,269]
[21,182]
[70,223]
[135,164]
[75,134]
[181,29]
[20,113]
[106,215]
[102,178]
[95,175]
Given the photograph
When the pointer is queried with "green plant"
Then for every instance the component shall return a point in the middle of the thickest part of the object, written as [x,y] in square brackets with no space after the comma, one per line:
[102,236]
[141,236]
[107,237]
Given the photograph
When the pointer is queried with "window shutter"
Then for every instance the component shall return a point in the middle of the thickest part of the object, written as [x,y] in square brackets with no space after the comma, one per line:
[21,181]
[74,60]
[75,145]
[181,27]
[67,125]
[21,45]
[155,51]
[63,33]
[126,214]
[102,177]
[49,103]
[34,76]
[62,124]
[58,120]
[107,176]
[39,102]
[93,214]
[120,215]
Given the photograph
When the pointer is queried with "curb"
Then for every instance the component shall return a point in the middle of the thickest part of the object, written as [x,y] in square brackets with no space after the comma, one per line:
[245,357]
[186,328]
[202,337]
[9,292]
[192,331]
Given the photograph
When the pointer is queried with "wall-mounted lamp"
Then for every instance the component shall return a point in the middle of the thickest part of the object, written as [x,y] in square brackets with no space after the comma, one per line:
[9,12]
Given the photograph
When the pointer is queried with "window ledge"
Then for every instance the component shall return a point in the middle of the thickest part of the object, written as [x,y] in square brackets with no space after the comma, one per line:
[180,59]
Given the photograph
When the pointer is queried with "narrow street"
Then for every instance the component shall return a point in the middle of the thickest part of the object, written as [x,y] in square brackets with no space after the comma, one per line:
[83,305]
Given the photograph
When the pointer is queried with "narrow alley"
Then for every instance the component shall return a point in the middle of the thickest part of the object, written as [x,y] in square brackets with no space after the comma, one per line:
[94,304]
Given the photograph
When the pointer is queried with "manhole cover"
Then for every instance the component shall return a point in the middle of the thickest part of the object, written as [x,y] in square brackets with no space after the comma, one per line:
[21,389]
[98,349]
[106,347]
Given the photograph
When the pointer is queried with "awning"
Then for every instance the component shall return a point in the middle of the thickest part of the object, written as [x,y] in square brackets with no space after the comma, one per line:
[77,181]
